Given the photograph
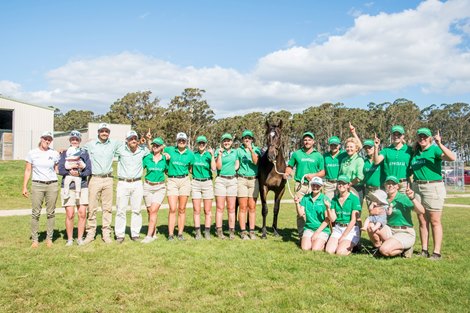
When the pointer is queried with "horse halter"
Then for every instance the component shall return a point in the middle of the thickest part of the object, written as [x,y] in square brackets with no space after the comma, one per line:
[273,144]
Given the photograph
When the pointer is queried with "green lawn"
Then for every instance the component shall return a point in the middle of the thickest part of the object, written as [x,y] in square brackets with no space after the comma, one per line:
[271,275]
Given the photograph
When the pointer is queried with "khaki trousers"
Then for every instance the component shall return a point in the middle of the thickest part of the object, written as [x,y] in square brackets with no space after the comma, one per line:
[43,193]
[100,188]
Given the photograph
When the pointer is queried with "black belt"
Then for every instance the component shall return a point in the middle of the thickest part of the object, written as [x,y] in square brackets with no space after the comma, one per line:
[226,177]
[103,175]
[428,181]
[402,180]
[130,180]
[373,188]
[202,179]
[399,227]
[154,183]
[331,180]
[45,182]
[178,176]
[341,225]
[248,177]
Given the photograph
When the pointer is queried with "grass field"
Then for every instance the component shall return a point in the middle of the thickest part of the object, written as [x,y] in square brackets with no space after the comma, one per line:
[271,275]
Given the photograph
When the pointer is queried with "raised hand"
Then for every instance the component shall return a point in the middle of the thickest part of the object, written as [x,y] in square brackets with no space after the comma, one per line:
[352,129]
[376,141]
[437,137]
[410,193]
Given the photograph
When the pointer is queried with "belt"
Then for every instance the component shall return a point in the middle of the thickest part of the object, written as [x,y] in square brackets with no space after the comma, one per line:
[45,182]
[154,183]
[202,179]
[103,175]
[428,181]
[130,180]
[331,180]
[399,227]
[226,177]
[402,180]
[177,176]
[341,225]
[373,188]
[248,177]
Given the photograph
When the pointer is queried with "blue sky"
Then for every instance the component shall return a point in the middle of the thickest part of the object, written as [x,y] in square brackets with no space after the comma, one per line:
[248,55]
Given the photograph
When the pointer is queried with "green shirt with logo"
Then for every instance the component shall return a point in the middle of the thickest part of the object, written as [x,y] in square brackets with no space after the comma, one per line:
[247,167]
[179,162]
[202,165]
[228,162]
[373,174]
[332,164]
[401,211]
[306,163]
[397,161]
[352,167]
[315,212]
[427,164]
[155,171]
[344,212]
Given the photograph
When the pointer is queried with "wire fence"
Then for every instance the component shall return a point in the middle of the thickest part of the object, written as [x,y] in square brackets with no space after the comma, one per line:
[453,175]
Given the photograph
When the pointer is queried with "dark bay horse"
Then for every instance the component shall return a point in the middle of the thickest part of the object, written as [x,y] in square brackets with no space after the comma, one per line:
[272,163]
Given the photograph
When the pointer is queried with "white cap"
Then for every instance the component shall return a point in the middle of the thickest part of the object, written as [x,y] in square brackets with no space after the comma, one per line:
[181,136]
[316,181]
[379,196]
[47,134]
[75,134]
[103,125]
[131,134]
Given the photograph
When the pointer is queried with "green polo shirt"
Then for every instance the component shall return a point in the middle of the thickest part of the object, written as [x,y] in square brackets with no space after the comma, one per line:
[179,163]
[102,154]
[315,212]
[306,163]
[130,163]
[228,162]
[343,212]
[397,161]
[373,174]
[332,164]
[352,167]
[202,165]
[427,164]
[155,170]
[401,211]
[247,167]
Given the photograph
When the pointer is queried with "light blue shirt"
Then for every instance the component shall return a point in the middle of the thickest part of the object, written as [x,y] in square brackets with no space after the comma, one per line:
[130,163]
[102,154]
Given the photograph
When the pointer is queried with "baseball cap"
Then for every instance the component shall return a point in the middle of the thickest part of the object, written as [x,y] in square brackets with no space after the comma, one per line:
[392,179]
[47,134]
[181,136]
[368,142]
[248,133]
[75,134]
[316,181]
[158,141]
[334,140]
[378,196]
[131,134]
[309,134]
[344,178]
[201,139]
[424,131]
[226,136]
[103,125]
[398,128]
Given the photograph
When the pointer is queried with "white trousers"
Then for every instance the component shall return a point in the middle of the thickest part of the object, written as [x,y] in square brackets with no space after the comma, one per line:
[133,193]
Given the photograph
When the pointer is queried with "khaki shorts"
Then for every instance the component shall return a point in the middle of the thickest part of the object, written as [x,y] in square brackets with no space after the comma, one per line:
[329,188]
[354,235]
[154,194]
[178,186]
[308,233]
[73,200]
[406,237]
[202,189]
[431,195]
[247,188]
[225,187]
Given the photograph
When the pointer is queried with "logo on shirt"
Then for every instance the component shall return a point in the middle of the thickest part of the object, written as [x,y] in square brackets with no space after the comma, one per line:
[308,160]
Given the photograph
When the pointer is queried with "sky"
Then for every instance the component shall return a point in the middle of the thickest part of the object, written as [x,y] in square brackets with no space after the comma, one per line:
[248,55]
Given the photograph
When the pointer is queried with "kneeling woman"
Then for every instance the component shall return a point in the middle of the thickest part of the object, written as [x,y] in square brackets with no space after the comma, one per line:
[318,215]
[398,236]
[347,207]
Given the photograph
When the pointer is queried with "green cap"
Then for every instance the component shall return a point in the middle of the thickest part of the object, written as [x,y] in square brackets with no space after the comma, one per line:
[398,128]
[344,178]
[309,134]
[333,140]
[393,179]
[424,131]
[248,133]
[226,136]
[368,142]
[201,139]
[158,141]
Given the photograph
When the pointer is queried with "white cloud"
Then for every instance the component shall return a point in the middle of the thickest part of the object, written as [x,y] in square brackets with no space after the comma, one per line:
[385,52]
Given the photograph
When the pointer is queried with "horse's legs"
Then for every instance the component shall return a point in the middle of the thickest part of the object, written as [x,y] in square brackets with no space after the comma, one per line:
[264,210]
[277,205]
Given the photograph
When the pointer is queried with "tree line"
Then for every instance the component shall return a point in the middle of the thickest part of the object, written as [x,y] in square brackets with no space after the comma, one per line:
[190,113]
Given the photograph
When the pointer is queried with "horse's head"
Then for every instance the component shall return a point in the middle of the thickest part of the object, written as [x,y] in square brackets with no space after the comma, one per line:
[273,139]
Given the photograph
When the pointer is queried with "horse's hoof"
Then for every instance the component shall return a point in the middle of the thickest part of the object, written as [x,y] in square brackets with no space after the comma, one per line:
[276,234]
[263,236]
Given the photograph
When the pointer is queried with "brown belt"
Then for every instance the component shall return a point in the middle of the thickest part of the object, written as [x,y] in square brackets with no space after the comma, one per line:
[45,182]
[428,181]
[130,180]
[226,177]
[399,227]
[247,177]
[341,225]
[154,183]
[103,175]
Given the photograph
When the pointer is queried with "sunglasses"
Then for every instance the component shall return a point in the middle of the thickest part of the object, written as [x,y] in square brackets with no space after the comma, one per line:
[104,131]
[47,139]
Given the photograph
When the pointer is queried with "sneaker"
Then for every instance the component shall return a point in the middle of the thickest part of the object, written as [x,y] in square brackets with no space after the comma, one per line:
[408,253]
[49,243]
[435,256]
[155,236]
[80,242]
[120,240]
[253,235]
[35,245]
[148,239]
[207,235]
[107,239]
[180,237]
[220,234]
[244,235]
[231,235]
[69,243]
[88,239]
[424,254]
[198,235]
[171,238]
[135,238]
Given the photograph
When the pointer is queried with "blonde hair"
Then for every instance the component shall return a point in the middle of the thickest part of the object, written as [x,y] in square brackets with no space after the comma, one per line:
[354,141]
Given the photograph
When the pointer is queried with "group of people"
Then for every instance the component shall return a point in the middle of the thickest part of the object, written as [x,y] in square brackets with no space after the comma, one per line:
[329,188]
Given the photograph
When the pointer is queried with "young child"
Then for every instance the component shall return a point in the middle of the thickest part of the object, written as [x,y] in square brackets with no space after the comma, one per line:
[73,161]
[375,222]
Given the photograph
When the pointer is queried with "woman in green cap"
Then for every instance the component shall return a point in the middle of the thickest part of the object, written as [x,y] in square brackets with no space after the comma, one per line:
[332,159]
[155,165]
[247,181]
[201,185]
[226,185]
[426,165]
[353,166]
[373,173]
